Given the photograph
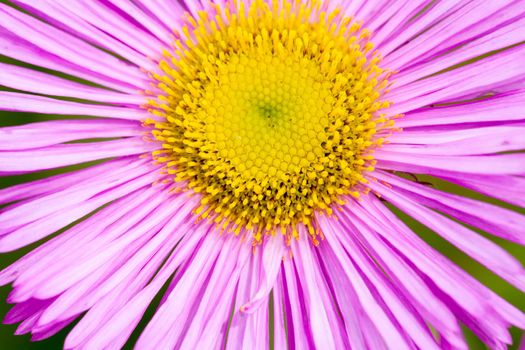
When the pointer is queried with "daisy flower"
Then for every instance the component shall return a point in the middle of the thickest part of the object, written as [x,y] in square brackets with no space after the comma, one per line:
[241,161]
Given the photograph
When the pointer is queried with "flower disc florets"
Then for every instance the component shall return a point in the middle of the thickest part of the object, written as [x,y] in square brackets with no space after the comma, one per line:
[269,112]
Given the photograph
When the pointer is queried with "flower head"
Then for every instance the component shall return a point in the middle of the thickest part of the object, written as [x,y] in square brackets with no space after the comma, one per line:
[271,116]
[249,155]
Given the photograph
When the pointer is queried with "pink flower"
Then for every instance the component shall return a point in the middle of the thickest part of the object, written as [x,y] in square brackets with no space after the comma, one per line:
[247,156]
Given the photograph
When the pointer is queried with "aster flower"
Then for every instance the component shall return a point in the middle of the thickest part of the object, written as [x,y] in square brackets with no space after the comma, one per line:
[248,155]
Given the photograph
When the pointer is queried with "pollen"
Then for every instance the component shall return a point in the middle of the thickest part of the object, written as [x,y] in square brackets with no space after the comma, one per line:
[270,112]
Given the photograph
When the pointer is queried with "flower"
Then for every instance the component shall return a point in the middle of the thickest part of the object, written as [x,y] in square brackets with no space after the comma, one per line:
[247,156]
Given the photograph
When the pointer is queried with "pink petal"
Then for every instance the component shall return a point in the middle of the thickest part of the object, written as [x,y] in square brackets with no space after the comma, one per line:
[508,35]
[70,48]
[325,328]
[36,135]
[509,106]
[167,12]
[121,322]
[503,223]
[59,182]
[511,164]
[272,252]
[460,83]
[19,49]
[68,154]
[33,81]
[483,250]
[389,332]
[160,329]
[385,293]
[149,21]
[471,142]
[29,211]
[47,225]
[297,321]
[435,12]
[18,102]
[466,15]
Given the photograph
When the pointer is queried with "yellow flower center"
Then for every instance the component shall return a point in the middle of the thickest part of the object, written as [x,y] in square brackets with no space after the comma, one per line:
[269,112]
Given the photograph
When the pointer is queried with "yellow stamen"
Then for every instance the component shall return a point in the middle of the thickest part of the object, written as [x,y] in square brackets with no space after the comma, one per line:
[269,112]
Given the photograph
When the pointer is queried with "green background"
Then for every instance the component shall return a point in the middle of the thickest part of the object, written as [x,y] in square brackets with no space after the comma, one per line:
[8,341]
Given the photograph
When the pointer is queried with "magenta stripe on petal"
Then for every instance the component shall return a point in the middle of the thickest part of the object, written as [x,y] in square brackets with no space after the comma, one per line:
[85,239]
[494,186]
[435,12]
[510,12]
[167,12]
[25,309]
[487,308]
[70,240]
[156,248]
[388,330]
[324,333]
[357,324]
[296,314]
[98,14]
[100,327]
[413,287]
[367,11]
[394,17]
[451,134]
[211,313]
[106,257]
[425,258]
